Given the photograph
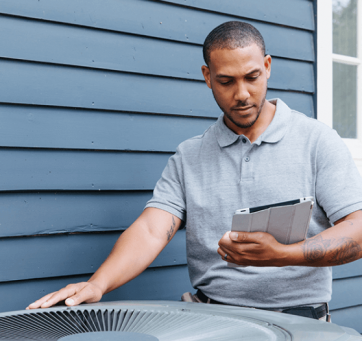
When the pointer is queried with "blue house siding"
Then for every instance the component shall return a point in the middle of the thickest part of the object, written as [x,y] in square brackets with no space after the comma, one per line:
[94,98]
[346,304]
[85,250]
[161,283]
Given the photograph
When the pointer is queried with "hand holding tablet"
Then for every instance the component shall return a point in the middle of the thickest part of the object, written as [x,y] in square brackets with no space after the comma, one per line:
[287,222]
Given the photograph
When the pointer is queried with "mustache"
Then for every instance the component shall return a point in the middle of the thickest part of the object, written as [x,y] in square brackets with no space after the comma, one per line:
[241,105]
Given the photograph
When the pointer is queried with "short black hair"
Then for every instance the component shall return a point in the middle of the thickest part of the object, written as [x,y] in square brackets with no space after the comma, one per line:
[231,35]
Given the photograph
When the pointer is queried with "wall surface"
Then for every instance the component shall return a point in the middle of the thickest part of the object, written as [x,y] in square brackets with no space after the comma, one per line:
[94,98]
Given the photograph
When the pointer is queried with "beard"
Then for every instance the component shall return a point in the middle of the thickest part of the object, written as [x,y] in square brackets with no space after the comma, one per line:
[245,125]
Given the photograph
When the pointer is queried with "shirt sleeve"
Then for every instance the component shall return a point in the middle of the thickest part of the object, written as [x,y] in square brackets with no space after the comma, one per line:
[168,194]
[338,182]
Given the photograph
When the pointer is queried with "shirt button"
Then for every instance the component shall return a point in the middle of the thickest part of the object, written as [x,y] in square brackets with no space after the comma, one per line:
[244,140]
[247,159]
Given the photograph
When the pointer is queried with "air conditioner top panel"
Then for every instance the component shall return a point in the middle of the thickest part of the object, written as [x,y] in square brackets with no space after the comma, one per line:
[164,320]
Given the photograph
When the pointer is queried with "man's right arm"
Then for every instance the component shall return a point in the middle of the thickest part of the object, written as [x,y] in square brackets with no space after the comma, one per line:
[133,252]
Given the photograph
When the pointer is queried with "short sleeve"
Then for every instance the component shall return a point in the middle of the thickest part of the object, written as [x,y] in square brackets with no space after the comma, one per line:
[168,194]
[338,182]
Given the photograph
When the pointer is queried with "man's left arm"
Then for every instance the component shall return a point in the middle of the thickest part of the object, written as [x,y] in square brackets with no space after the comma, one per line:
[337,245]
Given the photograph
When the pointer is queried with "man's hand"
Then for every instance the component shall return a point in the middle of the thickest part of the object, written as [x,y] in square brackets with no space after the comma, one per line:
[252,248]
[73,294]
[337,245]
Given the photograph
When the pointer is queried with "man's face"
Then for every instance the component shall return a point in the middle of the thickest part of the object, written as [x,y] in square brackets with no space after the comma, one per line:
[238,80]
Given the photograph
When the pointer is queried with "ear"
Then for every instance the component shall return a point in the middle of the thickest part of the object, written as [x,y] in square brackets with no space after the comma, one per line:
[206,72]
[267,65]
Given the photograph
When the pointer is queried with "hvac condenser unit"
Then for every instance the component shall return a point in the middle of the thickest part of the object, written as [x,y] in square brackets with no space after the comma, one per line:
[171,321]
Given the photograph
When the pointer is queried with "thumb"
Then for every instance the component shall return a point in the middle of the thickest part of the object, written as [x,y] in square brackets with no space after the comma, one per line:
[78,298]
[90,293]
[241,237]
[71,301]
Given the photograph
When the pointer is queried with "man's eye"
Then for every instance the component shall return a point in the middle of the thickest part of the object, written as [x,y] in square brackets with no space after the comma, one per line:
[253,78]
[226,83]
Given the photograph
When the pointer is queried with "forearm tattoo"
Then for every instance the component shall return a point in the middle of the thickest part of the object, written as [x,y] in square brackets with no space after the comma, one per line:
[171,230]
[315,249]
[335,251]
[346,250]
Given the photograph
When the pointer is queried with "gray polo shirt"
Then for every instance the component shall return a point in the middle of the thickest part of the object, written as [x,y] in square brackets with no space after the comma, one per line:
[216,173]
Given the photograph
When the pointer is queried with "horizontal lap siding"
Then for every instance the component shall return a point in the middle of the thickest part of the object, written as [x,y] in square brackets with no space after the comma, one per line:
[95,97]
[122,52]
[66,255]
[62,85]
[346,292]
[34,169]
[346,303]
[348,317]
[49,212]
[158,19]
[67,128]
[348,270]
[162,283]
[285,12]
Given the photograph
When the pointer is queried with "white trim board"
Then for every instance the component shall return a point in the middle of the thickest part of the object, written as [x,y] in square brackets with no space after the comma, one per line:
[325,58]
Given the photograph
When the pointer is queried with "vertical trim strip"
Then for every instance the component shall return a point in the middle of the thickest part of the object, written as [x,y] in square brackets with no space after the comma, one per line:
[359,70]
[324,61]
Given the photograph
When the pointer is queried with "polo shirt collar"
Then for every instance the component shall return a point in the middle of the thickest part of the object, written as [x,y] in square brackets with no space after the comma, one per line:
[274,133]
[224,135]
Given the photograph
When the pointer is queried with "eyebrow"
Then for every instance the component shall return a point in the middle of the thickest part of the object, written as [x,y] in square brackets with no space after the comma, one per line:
[248,74]
[224,76]
[254,71]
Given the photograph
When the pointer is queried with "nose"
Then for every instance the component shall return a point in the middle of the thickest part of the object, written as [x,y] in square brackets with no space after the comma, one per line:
[241,92]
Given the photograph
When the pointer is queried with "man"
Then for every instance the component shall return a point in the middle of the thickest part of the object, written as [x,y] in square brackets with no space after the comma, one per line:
[258,152]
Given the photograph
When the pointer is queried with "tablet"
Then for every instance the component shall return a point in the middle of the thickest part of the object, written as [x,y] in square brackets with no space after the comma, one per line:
[287,221]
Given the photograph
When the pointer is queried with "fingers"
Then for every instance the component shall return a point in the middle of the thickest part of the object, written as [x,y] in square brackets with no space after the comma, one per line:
[38,303]
[230,253]
[239,246]
[233,248]
[226,255]
[61,295]
[53,298]
[251,248]
[239,242]
[73,294]
[232,257]
[230,239]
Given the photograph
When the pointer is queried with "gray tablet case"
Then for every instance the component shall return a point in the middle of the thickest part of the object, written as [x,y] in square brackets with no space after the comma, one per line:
[288,222]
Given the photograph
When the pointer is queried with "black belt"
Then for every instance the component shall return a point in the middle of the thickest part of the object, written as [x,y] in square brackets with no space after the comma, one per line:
[306,311]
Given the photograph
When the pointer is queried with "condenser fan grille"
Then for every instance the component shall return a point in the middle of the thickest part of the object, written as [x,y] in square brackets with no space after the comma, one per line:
[176,324]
